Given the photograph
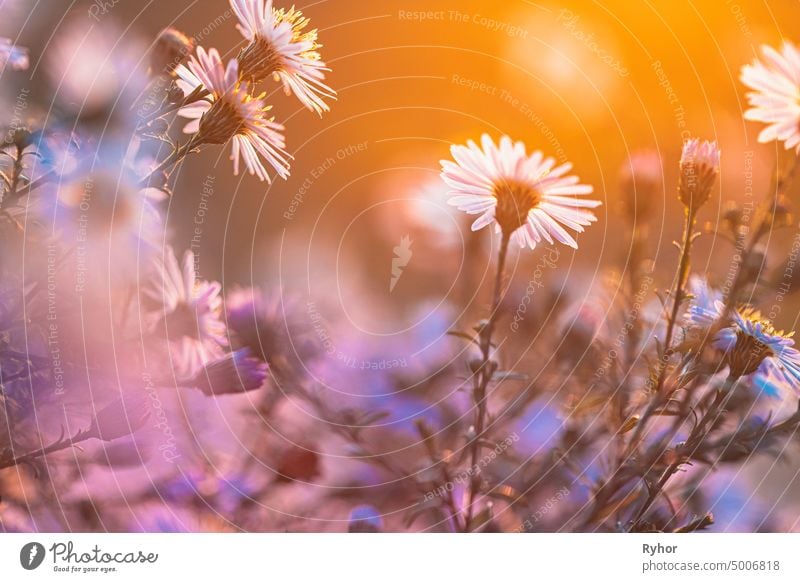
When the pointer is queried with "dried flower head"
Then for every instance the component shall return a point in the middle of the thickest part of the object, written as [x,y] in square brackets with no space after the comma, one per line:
[526,196]
[230,113]
[775,99]
[699,168]
[280,47]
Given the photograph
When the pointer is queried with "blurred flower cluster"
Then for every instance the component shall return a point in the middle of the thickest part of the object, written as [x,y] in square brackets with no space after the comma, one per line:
[135,395]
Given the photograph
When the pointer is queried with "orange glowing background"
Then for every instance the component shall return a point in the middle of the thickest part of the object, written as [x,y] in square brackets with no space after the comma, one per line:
[588,82]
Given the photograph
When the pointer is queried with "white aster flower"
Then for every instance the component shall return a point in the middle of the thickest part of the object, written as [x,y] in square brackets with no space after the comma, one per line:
[190,311]
[280,48]
[752,345]
[776,96]
[230,113]
[704,308]
[526,196]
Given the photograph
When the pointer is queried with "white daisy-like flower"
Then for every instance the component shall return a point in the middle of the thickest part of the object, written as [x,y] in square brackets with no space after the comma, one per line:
[190,311]
[230,113]
[280,48]
[775,99]
[526,196]
[704,308]
[753,345]
[12,55]
[750,343]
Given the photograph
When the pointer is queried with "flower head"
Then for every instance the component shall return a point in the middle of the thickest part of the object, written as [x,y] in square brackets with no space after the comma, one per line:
[190,311]
[526,196]
[704,308]
[12,55]
[699,168]
[753,345]
[276,327]
[775,99]
[230,113]
[281,48]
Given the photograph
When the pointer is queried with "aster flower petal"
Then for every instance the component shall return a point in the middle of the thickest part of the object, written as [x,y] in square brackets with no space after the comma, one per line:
[776,96]
[527,195]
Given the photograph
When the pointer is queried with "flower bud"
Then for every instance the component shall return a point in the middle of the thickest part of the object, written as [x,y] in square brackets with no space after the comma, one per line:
[170,50]
[699,168]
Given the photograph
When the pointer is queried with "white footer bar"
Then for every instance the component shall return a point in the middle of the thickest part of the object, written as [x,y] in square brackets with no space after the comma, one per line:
[401,557]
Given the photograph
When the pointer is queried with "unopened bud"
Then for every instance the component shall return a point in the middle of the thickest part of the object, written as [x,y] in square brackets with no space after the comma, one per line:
[699,168]
[170,50]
